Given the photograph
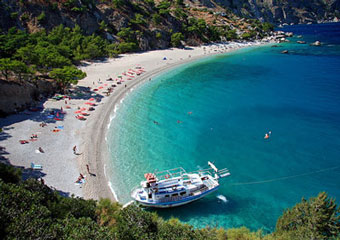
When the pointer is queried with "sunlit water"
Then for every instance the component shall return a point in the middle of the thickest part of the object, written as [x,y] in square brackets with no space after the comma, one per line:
[235,99]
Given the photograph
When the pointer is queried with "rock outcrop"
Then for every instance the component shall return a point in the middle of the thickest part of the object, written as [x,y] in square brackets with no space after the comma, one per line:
[16,96]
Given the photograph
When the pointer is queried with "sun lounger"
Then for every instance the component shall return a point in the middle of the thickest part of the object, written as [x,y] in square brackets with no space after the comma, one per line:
[36,166]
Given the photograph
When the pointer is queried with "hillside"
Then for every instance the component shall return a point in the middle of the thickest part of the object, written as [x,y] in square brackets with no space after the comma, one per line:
[152,22]
[283,11]
[31,210]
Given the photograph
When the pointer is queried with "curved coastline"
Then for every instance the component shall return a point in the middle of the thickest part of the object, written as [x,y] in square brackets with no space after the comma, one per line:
[95,148]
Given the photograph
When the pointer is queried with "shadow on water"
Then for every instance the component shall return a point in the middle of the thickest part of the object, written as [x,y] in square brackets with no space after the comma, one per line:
[198,208]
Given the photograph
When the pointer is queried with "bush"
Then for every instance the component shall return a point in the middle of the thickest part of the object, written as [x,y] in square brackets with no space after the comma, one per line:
[176,39]
[14,15]
[41,18]
[9,174]
[126,47]
[156,18]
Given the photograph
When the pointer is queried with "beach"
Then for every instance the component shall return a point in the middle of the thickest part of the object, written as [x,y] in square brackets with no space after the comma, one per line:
[82,172]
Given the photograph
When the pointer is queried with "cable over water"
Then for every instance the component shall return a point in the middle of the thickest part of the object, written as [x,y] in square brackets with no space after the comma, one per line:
[287,177]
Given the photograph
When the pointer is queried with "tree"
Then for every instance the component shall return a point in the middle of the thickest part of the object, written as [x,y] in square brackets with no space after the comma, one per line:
[8,66]
[267,27]
[5,67]
[176,39]
[67,75]
[20,68]
[8,173]
[316,218]
[156,18]
[126,34]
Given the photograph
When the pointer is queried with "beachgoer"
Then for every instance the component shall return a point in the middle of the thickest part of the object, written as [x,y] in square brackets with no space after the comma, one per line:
[189,113]
[178,121]
[155,122]
[125,85]
[41,150]
[88,168]
[266,136]
[74,149]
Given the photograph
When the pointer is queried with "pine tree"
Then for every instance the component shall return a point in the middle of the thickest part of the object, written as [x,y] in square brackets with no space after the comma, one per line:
[316,218]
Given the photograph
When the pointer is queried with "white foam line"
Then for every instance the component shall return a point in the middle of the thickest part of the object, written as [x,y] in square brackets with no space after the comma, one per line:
[113,191]
[105,170]
[112,116]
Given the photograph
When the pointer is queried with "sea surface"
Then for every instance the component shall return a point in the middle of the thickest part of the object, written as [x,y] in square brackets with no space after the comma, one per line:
[234,99]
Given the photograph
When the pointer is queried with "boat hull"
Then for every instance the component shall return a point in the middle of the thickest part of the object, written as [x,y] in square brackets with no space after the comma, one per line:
[176,203]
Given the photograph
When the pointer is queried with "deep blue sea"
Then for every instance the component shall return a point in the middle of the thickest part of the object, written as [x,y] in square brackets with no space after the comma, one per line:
[235,99]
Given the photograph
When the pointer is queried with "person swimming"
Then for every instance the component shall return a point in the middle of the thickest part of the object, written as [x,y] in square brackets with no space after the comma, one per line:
[267,135]
[155,122]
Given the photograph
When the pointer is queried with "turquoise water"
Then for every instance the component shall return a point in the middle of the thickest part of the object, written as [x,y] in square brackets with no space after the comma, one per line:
[235,99]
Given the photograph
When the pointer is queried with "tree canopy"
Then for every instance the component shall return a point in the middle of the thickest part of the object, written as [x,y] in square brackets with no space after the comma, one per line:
[31,210]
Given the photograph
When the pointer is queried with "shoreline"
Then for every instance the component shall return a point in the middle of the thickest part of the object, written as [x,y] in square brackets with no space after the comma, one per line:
[98,136]
[61,167]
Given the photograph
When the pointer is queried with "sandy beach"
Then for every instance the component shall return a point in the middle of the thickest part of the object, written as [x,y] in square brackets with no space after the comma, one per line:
[51,146]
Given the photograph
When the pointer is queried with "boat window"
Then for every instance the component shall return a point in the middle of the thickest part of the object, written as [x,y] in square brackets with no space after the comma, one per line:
[175,194]
[182,193]
[167,195]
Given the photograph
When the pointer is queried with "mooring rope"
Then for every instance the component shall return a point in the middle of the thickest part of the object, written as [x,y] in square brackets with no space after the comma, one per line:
[285,178]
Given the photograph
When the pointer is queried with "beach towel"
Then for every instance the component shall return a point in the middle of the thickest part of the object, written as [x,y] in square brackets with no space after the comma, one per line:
[60,127]
[36,166]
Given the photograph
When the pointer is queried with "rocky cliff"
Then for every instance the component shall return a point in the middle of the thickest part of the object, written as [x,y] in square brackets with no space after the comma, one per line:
[283,11]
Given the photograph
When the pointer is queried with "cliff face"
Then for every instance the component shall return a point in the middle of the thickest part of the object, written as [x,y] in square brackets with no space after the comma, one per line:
[283,11]
[16,96]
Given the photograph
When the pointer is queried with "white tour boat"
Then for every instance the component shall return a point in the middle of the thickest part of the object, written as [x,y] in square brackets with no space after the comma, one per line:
[176,187]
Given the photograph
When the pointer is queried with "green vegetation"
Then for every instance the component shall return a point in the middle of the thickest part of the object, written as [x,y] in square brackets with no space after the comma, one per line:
[41,18]
[176,39]
[24,55]
[31,210]
[67,75]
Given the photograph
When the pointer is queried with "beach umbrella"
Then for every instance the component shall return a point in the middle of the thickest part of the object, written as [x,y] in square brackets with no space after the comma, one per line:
[77,111]
[91,99]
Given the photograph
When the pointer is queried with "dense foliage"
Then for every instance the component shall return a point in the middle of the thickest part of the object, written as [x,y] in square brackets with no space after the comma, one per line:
[31,210]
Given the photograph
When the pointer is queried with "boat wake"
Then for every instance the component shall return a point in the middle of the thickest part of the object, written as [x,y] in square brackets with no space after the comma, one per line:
[222,198]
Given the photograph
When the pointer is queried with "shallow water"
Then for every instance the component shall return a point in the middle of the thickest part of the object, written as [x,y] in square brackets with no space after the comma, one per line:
[235,99]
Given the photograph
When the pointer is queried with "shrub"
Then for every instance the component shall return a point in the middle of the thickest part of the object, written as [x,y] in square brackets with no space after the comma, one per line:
[156,18]
[176,39]
[14,15]
[41,18]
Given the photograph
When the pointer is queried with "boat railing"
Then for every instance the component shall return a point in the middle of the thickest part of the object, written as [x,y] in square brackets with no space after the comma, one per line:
[223,172]
[171,173]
